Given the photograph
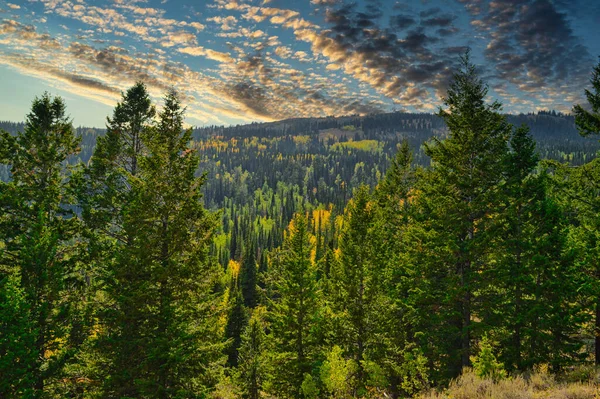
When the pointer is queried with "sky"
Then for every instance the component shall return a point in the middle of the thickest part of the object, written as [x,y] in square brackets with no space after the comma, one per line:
[240,61]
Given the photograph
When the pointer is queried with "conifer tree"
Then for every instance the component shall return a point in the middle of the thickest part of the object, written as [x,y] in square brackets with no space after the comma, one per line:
[585,182]
[588,122]
[162,333]
[518,220]
[389,238]
[294,310]
[356,292]
[236,321]
[104,192]
[248,275]
[253,367]
[458,195]
[531,252]
[104,186]
[17,341]
[37,230]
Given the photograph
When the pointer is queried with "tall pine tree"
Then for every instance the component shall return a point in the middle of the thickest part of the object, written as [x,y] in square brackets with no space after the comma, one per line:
[161,330]
[37,232]
[584,184]
[355,284]
[294,310]
[457,197]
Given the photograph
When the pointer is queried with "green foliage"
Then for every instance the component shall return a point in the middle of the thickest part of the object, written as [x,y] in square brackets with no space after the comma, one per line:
[160,335]
[485,364]
[294,312]
[110,284]
[309,387]
[361,145]
[253,365]
[459,196]
[17,341]
[588,122]
[355,293]
[236,321]
[249,275]
[414,372]
[37,232]
[337,373]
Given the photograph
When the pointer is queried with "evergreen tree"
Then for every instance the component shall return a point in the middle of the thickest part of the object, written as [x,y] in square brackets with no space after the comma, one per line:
[294,310]
[356,279]
[104,186]
[511,282]
[458,196]
[584,183]
[391,221]
[236,321]
[253,367]
[104,192]
[17,342]
[126,129]
[162,331]
[248,275]
[588,122]
[37,230]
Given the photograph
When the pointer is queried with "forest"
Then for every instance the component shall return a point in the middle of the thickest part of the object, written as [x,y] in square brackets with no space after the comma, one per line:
[448,255]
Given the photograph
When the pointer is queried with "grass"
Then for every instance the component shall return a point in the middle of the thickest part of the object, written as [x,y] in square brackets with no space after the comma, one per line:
[539,384]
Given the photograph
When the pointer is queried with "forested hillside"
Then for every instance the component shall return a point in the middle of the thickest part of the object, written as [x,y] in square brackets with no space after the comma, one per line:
[262,174]
[354,257]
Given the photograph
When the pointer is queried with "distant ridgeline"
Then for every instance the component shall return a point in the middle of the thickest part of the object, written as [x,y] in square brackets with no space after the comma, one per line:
[318,153]
[269,170]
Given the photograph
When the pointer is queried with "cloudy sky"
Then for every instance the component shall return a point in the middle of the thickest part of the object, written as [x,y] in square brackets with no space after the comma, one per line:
[237,61]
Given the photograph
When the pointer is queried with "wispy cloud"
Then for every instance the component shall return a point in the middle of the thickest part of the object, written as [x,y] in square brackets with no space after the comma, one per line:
[240,60]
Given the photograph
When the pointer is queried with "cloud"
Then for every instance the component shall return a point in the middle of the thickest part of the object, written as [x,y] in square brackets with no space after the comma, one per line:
[178,38]
[81,81]
[283,52]
[401,21]
[13,6]
[402,68]
[439,21]
[227,23]
[355,57]
[27,33]
[208,53]
[324,2]
[533,47]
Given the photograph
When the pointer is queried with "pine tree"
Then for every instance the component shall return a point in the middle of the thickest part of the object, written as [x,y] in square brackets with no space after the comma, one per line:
[248,275]
[104,192]
[37,230]
[588,122]
[531,254]
[357,298]
[253,367]
[17,341]
[458,196]
[294,309]
[236,321]
[511,282]
[162,332]
[104,186]
[585,182]
[393,215]
[485,363]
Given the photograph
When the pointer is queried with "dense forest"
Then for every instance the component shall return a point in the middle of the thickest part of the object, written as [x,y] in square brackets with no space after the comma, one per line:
[362,256]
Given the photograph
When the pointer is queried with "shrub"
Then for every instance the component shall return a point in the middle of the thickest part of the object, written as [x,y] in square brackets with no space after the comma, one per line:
[485,363]
[336,374]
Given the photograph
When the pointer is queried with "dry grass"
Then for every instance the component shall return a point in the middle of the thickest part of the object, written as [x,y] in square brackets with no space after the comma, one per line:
[538,385]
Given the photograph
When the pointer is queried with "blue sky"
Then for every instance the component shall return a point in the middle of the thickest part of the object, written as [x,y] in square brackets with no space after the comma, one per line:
[237,61]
